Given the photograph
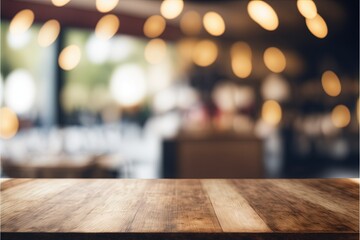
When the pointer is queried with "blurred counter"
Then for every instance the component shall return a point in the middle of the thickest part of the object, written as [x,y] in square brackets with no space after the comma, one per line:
[213,156]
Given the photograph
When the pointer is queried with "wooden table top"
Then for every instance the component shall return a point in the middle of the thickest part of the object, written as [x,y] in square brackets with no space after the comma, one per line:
[179,209]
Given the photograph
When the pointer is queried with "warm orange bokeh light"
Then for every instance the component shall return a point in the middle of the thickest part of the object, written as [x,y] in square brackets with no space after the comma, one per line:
[307,8]
[241,57]
[69,57]
[154,26]
[271,112]
[60,3]
[106,5]
[170,9]
[317,26]
[263,14]
[214,24]
[340,116]
[190,23]
[274,60]
[155,51]
[21,22]
[107,26]
[9,123]
[205,53]
[48,33]
[331,83]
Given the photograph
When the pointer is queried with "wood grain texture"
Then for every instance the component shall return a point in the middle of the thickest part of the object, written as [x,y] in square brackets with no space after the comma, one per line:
[179,209]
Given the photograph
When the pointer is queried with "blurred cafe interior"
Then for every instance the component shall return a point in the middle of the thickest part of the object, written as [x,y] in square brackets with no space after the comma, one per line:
[179,88]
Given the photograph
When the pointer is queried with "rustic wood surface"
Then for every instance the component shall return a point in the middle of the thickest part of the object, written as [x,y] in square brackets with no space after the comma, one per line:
[179,209]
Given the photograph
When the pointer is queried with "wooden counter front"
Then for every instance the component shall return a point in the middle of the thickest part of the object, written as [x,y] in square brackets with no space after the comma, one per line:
[179,209]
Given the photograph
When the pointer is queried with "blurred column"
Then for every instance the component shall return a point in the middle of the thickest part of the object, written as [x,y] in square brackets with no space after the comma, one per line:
[47,70]
[59,82]
[273,146]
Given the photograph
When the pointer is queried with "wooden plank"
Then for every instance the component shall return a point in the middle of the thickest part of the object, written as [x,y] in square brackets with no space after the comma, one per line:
[114,209]
[195,212]
[342,188]
[177,206]
[233,211]
[24,205]
[7,183]
[347,209]
[284,212]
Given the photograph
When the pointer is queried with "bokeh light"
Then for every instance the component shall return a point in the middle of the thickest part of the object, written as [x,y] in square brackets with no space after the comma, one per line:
[20,91]
[9,123]
[224,96]
[122,47]
[107,26]
[274,60]
[155,51]
[128,85]
[69,57]
[244,97]
[271,112]
[154,26]
[170,9]
[340,116]
[214,24]
[19,41]
[165,100]
[21,22]
[106,5]
[307,8]
[49,33]
[241,57]
[263,14]
[205,53]
[331,83]
[60,3]
[317,26]
[98,50]
[275,87]
[190,23]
